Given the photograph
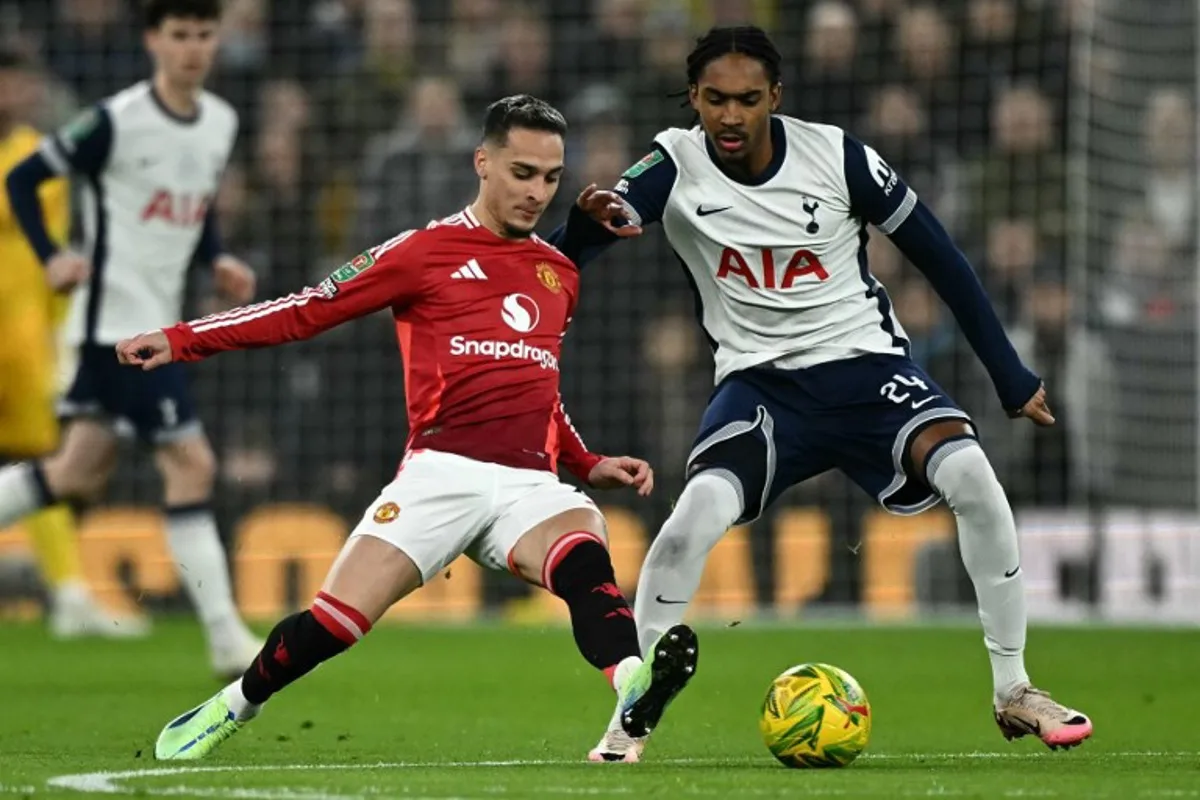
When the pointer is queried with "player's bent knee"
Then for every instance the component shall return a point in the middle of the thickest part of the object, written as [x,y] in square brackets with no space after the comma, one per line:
[188,468]
[707,496]
[371,574]
[966,480]
[708,505]
[69,481]
[535,549]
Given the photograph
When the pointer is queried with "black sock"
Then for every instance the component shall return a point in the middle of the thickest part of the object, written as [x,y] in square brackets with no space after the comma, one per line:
[581,573]
[299,643]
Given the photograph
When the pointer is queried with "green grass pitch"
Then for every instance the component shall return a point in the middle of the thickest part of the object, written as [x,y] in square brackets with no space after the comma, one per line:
[508,712]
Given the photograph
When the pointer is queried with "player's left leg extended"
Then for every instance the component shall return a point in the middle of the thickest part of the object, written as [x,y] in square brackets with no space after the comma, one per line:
[188,467]
[567,554]
[370,574]
[954,464]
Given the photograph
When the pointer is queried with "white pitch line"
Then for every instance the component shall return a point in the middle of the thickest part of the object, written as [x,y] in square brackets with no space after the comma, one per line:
[979,754]
[110,782]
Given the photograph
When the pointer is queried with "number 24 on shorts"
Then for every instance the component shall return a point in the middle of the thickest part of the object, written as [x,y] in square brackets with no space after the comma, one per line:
[892,391]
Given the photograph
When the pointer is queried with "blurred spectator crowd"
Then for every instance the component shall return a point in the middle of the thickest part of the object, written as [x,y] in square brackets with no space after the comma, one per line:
[1059,153]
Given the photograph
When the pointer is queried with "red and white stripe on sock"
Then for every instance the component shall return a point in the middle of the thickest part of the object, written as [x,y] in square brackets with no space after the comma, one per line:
[340,619]
[558,551]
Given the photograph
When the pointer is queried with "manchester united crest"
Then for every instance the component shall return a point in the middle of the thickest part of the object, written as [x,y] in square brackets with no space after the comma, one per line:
[386,512]
[548,277]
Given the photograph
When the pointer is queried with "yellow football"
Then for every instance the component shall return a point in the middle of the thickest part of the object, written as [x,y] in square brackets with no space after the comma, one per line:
[815,715]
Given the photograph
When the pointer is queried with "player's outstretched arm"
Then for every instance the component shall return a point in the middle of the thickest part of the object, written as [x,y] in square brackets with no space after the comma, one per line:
[923,240]
[146,350]
[600,218]
[879,196]
[386,276]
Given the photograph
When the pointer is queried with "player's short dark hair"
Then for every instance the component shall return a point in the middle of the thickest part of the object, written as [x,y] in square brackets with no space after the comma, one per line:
[748,40]
[154,12]
[521,111]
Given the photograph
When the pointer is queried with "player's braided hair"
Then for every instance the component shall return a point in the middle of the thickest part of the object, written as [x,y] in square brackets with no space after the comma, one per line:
[749,40]
[155,11]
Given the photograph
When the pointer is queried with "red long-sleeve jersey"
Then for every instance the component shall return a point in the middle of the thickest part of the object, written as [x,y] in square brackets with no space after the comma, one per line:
[479,319]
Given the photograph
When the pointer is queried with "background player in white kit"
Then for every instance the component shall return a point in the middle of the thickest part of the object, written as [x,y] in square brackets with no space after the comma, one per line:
[768,216]
[151,159]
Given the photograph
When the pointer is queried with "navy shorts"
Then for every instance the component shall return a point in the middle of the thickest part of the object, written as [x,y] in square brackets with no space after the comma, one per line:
[156,405]
[772,428]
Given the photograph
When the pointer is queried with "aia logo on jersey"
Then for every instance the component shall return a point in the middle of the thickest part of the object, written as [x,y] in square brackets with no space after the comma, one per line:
[520,313]
[184,210]
[801,264]
[548,277]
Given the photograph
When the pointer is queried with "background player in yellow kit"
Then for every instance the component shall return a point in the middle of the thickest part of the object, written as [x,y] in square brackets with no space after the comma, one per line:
[29,317]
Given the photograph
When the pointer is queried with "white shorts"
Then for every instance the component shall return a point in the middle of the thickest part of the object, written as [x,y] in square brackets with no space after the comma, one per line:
[441,505]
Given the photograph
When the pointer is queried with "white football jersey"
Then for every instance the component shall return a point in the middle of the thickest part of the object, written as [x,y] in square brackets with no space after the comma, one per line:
[150,181]
[778,263]
[779,266]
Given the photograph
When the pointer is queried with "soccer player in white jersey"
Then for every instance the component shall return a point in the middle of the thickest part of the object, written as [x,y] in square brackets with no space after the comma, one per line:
[150,159]
[768,215]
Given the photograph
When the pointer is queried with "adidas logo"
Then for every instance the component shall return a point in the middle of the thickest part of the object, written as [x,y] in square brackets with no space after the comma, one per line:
[469,272]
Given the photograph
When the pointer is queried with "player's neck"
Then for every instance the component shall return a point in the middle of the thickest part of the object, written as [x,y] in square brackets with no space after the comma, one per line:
[755,164]
[183,102]
[479,209]
[760,161]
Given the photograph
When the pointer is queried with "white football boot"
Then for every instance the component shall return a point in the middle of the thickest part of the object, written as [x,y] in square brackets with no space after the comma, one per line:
[644,690]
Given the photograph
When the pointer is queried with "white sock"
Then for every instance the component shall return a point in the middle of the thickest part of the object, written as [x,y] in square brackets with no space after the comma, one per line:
[237,702]
[203,571]
[709,504]
[987,537]
[73,592]
[21,492]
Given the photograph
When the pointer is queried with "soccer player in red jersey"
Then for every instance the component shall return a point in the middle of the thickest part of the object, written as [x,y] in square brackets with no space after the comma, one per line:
[481,305]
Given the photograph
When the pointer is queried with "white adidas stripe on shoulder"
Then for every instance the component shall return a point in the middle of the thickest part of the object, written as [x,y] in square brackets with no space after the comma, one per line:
[379,250]
[257,311]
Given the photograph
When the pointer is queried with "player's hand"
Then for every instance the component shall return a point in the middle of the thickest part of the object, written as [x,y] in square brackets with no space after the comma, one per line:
[620,471]
[146,350]
[1037,410]
[66,269]
[235,281]
[606,208]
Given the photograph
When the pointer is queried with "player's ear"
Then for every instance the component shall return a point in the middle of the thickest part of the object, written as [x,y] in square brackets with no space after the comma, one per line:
[776,96]
[481,162]
[694,96]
